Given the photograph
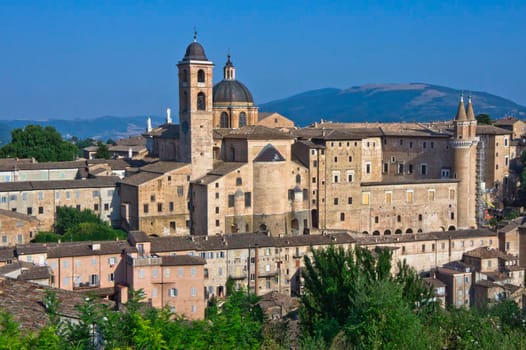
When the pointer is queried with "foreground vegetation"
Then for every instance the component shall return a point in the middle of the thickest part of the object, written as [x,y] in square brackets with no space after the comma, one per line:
[351,301]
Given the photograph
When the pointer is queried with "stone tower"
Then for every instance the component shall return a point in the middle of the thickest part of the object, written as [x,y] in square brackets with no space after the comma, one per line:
[196,110]
[464,145]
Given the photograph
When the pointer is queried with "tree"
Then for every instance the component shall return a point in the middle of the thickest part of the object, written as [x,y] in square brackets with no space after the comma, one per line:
[484,119]
[68,217]
[43,144]
[350,297]
[103,151]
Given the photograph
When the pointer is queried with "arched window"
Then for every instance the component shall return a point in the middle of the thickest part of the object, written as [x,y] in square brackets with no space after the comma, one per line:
[398,232]
[200,76]
[223,120]
[298,178]
[185,76]
[242,119]
[201,103]
[409,230]
[184,102]
[387,232]
[376,233]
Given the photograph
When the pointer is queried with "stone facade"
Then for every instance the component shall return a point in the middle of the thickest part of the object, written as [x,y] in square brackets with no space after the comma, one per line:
[41,198]
[16,228]
[155,200]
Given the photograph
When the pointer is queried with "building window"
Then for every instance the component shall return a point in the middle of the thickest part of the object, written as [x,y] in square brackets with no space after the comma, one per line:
[141,274]
[29,211]
[367,168]
[242,119]
[335,176]
[172,225]
[388,198]
[365,198]
[111,277]
[410,169]
[217,223]
[179,191]
[223,120]
[349,200]
[160,207]
[350,176]
[409,196]
[423,169]
[248,199]
[336,201]
[239,181]
[172,292]
[376,219]
[400,168]
[430,195]
[452,216]
[200,76]
[386,168]
[201,102]
[231,200]
[41,210]
[350,159]
[419,217]
[106,206]
[145,208]
[342,216]
[96,207]
[335,159]
[313,180]
[399,218]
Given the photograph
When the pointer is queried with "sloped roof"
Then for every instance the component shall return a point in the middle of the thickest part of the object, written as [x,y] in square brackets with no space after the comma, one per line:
[269,154]
[491,130]
[101,181]
[17,215]
[254,132]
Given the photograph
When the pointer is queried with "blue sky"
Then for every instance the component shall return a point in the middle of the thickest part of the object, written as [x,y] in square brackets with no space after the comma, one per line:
[91,58]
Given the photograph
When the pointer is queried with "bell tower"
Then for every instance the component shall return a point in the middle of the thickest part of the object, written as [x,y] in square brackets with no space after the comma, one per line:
[196,110]
[464,145]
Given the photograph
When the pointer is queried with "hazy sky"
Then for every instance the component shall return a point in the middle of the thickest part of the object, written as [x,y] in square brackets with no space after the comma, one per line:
[80,59]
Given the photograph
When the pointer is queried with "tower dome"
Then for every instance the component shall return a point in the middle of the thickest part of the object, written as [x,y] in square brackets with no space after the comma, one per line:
[230,90]
[195,51]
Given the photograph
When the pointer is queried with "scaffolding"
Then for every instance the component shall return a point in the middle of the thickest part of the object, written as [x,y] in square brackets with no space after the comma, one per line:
[481,204]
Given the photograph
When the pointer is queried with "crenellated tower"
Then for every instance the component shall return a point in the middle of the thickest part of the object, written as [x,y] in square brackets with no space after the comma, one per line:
[196,110]
[464,145]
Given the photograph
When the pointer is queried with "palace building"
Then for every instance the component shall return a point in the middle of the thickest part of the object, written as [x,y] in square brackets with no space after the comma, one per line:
[245,171]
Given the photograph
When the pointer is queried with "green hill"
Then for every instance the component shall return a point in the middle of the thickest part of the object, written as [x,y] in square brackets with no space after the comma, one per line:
[387,103]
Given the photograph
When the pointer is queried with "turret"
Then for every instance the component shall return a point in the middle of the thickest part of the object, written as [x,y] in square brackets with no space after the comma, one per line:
[464,145]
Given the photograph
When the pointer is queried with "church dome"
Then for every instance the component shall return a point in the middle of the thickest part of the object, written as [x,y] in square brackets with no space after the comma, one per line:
[228,91]
[195,51]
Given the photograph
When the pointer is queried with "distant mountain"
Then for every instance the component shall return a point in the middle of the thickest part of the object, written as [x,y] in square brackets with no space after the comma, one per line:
[101,128]
[387,103]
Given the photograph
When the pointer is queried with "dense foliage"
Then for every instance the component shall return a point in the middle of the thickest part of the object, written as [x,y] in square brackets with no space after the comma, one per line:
[351,301]
[43,144]
[76,225]
[235,324]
